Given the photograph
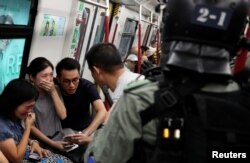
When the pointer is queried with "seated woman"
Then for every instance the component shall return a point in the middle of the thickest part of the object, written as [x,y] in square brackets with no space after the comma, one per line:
[49,107]
[17,101]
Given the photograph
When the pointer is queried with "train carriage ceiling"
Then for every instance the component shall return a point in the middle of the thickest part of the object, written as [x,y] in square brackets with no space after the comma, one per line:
[134,5]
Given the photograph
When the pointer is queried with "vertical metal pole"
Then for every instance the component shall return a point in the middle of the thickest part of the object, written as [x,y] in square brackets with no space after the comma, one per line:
[139,42]
[241,58]
[116,16]
[159,37]
[151,17]
[107,23]
[157,46]
[82,34]
[107,102]
[116,26]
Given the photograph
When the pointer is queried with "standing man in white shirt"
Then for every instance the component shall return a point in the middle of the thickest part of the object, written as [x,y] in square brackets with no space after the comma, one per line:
[107,68]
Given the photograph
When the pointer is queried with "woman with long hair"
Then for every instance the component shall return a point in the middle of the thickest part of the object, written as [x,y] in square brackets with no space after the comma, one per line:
[16,104]
[49,107]
[16,120]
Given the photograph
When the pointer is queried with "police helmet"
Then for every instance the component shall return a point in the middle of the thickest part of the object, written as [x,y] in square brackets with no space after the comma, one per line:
[203,35]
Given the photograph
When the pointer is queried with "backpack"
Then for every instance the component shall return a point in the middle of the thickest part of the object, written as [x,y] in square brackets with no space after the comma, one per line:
[194,125]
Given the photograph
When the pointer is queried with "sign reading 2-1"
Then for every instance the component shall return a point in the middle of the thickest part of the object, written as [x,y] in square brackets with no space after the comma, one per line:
[211,17]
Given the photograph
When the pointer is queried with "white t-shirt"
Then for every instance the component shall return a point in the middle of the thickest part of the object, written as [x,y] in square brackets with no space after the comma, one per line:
[122,81]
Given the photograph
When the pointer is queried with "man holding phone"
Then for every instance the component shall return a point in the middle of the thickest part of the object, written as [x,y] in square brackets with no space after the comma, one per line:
[78,94]
[78,138]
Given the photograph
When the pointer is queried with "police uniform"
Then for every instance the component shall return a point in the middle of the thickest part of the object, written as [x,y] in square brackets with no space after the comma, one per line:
[115,141]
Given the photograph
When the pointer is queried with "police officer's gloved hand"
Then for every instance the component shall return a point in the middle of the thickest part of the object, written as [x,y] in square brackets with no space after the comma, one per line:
[146,66]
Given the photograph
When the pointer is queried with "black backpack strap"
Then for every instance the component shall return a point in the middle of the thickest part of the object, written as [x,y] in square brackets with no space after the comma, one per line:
[166,98]
[107,95]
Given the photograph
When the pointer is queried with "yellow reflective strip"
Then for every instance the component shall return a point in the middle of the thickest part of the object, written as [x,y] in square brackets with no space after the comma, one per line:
[166,133]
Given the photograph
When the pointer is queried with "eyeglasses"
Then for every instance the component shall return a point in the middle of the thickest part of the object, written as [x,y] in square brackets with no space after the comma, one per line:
[68,82]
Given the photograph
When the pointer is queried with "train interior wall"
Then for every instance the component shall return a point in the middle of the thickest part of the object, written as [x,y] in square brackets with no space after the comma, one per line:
[50,47]
[57,47]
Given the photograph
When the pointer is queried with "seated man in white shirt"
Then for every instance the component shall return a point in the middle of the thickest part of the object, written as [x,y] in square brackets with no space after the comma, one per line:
[131,62]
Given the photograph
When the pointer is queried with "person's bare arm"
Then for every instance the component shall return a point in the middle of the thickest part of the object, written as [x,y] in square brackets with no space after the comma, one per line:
[99,117]
[13,152]
[58,103]
[3,159]
[41,136]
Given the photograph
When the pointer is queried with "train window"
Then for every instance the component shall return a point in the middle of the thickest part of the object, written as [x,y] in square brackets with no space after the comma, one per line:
[154,34]
[100,30]
[146,35]
[127,37]
[154,29]
[15,12]
[130,26]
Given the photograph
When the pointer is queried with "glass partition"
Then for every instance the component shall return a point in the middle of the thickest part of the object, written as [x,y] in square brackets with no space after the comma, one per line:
[17,18]
[11,55]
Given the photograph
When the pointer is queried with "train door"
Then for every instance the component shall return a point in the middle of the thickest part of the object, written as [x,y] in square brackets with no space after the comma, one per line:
[80,18]
[94,35]
[153,35]
[79,33]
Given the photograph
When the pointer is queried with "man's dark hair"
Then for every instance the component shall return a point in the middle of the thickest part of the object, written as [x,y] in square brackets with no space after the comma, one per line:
[104,56]
[14,94]
[67,64]
[144,48]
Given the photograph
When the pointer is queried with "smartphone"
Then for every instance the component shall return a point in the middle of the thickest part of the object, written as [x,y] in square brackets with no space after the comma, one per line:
[71,148]
[34,156]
